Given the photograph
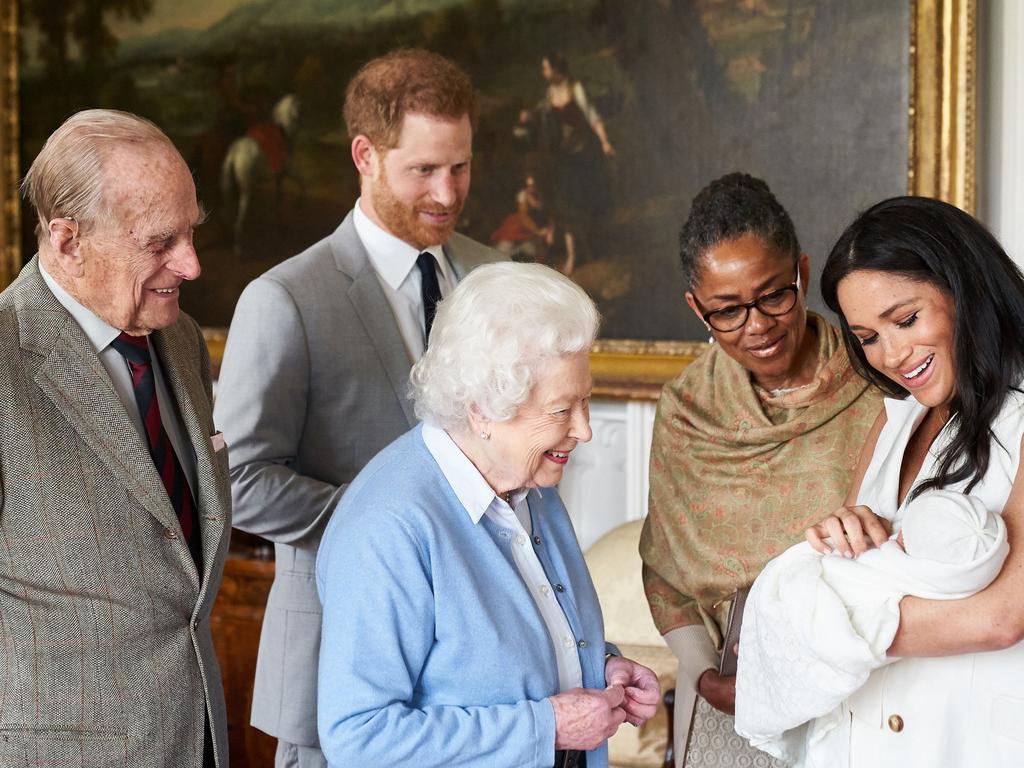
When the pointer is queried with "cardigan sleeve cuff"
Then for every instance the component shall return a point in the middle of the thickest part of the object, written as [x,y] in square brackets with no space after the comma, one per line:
[544,724]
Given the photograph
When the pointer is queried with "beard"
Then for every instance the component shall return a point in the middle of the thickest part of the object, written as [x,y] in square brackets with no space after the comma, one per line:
[403,221]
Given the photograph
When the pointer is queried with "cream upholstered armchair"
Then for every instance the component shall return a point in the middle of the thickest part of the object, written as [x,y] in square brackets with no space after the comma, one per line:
[614,563]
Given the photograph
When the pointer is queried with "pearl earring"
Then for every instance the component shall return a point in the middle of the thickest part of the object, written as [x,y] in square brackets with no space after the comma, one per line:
[485,435]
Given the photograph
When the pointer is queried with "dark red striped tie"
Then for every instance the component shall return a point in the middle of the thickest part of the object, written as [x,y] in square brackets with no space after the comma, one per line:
[135,349]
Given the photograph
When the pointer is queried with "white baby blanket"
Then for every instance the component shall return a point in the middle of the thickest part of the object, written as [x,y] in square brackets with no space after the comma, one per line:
[815,626]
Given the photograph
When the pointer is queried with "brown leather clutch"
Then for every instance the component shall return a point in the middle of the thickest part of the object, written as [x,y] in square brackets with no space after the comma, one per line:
[727,664]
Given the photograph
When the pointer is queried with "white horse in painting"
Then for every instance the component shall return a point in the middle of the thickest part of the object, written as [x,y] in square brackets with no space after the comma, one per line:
[247,162]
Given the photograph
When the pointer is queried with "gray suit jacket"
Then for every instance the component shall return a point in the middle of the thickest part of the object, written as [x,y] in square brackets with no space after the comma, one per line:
[313,385]
[107,657]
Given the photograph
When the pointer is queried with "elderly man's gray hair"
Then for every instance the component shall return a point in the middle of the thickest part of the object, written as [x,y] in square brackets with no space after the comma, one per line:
[66,178]
[493,335]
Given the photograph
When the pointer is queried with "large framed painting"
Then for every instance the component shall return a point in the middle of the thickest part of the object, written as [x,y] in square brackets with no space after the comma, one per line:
[600,120]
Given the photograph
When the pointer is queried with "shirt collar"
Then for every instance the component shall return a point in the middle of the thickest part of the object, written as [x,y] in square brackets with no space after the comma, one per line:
[392,257]
[465,479]
[97,331]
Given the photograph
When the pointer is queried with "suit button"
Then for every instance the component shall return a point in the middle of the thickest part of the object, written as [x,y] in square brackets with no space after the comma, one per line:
[169,534]
[895,723]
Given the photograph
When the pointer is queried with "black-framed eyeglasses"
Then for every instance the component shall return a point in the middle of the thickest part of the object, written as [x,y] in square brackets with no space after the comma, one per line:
[774,303]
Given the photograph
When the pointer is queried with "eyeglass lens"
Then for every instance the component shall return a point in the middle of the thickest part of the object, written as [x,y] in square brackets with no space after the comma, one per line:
[773,304]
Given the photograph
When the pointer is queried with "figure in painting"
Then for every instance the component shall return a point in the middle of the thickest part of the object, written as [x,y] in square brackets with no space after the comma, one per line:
[259,154]
[527,233]
[572,135]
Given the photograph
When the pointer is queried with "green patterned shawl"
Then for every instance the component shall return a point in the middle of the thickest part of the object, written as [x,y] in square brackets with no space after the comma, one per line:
[737,475]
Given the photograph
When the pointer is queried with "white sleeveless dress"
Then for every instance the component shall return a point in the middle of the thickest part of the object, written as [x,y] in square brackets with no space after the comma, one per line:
[955,711]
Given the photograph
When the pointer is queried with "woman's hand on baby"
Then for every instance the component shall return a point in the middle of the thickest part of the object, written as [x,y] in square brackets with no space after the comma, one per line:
[852,531]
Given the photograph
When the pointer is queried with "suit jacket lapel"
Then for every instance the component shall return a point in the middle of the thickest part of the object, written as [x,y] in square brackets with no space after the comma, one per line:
[373,309]
[75,380]
[457,268]
[186,386]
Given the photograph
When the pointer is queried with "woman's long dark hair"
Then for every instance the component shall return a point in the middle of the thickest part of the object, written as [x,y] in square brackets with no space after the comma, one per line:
[933,242]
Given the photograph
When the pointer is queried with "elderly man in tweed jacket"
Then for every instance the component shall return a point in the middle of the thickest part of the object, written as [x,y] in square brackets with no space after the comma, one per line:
[114,500]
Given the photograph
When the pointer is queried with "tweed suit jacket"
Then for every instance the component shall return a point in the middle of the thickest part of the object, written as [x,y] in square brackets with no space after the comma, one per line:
[106,656]
[313,385]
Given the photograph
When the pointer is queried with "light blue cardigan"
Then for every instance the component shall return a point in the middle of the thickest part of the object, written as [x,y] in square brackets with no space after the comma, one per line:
[432,651]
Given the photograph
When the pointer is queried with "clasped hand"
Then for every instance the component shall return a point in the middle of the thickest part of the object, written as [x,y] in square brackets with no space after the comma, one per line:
[586,717]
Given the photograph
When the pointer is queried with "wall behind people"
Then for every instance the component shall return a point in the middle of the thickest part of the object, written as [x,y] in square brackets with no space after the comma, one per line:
[605,484]
[1000,110]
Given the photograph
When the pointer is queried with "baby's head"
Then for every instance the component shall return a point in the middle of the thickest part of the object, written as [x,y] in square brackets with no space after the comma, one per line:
[948,527]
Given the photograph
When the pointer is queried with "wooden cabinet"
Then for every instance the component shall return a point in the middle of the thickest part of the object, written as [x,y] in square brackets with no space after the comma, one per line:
[236,622]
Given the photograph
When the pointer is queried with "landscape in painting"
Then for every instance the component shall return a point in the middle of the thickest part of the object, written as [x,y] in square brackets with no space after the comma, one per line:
[599,120]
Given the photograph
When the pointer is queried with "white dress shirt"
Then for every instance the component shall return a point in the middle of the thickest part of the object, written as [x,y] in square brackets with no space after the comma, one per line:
[394,261]
[100,334]
[479,499]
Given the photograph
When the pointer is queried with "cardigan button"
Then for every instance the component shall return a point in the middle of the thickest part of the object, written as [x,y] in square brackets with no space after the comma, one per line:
[169,534]
[895,723]
[536,539]
[582,643]
[559,588]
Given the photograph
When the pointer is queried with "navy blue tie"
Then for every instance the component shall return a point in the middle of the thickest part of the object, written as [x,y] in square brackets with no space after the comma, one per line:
[429,289]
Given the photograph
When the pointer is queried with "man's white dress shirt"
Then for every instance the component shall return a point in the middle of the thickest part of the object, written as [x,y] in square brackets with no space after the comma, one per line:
[394,261]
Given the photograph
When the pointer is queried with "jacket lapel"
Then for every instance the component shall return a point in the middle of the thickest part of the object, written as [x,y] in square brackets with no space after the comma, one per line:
[178,366]
[374,311]
[457,267]
[74,379]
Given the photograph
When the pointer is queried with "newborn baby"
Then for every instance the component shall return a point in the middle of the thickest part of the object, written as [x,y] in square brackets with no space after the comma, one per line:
[952,528]
[815,626]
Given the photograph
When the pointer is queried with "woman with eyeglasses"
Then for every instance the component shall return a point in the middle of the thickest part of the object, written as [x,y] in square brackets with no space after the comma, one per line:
[753,442]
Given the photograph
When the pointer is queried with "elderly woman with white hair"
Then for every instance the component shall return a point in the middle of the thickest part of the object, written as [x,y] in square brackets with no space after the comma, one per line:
[461,627]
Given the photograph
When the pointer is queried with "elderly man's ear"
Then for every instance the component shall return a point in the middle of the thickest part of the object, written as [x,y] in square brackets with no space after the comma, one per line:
[66,246]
